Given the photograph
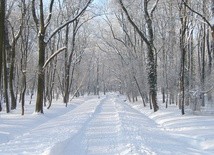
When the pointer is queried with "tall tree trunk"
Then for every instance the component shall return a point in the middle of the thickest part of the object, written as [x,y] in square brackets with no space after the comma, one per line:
[67,70]
[68,73]
[41,74]
[152,64]
[183,19]
[6,63]
[203,63]
[23,91]
[2,21]
[51,83]
[11,79]
[6,82]
[152,78]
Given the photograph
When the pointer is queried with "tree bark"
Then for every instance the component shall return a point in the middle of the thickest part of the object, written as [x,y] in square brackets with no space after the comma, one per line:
[2,21]
[11,78]
[183,19]
[67,68]
[6,82]
[23,91]
[41,75]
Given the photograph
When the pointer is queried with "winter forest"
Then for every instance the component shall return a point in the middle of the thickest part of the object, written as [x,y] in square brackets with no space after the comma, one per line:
[140,48]
[156,53]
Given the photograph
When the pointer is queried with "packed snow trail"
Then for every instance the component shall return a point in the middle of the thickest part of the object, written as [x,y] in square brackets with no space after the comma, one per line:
[104,126]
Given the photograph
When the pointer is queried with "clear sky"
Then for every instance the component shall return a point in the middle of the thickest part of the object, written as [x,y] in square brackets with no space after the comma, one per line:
[99,1]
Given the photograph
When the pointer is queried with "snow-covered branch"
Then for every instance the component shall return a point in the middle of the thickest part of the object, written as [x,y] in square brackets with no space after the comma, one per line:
[52,56]
[68,22]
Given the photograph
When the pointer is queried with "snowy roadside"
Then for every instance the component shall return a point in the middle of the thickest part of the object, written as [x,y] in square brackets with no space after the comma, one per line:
[195,130]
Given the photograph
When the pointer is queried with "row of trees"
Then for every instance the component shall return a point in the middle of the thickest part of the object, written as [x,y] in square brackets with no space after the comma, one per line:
[67,48]
[29,34]
[168,42]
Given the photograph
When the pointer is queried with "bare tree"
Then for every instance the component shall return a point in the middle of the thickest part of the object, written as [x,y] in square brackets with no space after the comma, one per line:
[151,51]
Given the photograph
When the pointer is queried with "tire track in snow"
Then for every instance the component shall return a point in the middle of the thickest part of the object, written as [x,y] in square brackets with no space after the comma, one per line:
[72,144]
[103,133]
[55,130]
[131,128]
[113,128]
[98,135]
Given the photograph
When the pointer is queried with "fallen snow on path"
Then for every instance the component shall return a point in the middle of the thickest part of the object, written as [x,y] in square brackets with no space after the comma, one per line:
[105,126]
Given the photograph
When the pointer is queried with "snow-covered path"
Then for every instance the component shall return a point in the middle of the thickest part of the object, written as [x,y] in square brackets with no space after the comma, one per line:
[104,126]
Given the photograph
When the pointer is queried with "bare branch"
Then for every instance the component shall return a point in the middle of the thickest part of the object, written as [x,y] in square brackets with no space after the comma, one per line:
[16,37]
[208,23]
[85,22]
[9,9]
[47,20]
[207,91]
[68,22]
[35,18]
[154,7]
[133,24]
[112,31]
[53,55]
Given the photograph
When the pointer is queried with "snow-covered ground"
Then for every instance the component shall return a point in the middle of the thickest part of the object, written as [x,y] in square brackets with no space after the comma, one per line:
[105,126]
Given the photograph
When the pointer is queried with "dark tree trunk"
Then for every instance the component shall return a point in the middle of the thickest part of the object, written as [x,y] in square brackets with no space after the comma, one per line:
[203,65]
[41,75]
[2,19]
[6,82]
[67,70]
[11,79]
[23,91]
[51,83]
[152,78]
[183,19]
[6,65]
[68,63]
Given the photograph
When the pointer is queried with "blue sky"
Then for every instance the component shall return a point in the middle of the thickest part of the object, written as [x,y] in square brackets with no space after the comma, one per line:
[99,1]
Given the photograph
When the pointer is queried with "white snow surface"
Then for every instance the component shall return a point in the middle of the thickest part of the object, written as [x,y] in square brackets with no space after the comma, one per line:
[108,125]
